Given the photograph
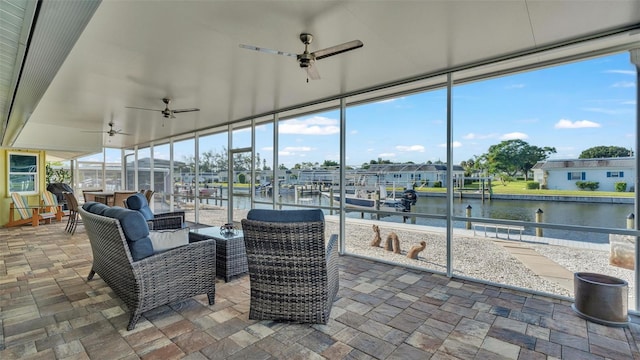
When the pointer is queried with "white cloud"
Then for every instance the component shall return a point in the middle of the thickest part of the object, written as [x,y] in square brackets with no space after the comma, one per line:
[413,148]
[317,125]
[514,136]
[267,148]
[568,124]
[528,121]
[515,86]
[607,111]
[297,148]
[472,136]
[353,132]
[624,72]
[624,84]
[386,155]
[456,144]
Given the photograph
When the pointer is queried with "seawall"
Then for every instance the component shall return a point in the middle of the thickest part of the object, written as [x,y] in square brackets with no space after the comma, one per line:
[555,198]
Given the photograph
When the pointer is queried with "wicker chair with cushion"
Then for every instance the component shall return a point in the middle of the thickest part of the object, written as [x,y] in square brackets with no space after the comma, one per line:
[124,257]
[293,275]
[163,221]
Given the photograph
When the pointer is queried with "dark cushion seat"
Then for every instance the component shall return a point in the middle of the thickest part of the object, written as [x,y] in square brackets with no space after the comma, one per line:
[293,273]
[162,221]
[133,225]
[139,202]
[123,257]
[285,216]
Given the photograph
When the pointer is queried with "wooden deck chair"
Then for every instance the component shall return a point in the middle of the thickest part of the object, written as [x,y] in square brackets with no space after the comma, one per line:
[28,214]
[50,203]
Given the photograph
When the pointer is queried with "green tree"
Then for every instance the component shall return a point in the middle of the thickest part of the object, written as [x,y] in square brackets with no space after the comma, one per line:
[598,152]
[305,165]
[329,163]
[511,156]
[468,166]
[56,174]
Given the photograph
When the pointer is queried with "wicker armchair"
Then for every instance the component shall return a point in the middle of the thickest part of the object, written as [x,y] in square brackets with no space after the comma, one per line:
[162,221]
[152,281]
[293,275]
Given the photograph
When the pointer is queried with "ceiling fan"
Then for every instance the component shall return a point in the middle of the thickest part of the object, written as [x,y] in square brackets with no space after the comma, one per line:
[306,59]
[111,131]
[167,113]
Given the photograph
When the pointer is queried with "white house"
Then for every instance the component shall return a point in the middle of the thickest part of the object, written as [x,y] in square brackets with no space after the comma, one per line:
[418,174]
[563,174]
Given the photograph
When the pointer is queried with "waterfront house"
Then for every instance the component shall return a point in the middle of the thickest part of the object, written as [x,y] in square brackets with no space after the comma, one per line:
[415,175]
[559,174]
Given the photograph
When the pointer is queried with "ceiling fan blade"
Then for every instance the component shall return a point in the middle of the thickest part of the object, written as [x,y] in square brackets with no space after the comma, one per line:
[185,110]
[312,72]
[268,51]
[338,49]
[139,108]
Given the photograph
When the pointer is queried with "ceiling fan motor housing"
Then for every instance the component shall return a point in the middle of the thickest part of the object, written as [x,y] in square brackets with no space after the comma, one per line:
[305,59]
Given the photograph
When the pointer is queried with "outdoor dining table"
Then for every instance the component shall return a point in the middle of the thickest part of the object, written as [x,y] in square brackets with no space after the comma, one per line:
[106,197]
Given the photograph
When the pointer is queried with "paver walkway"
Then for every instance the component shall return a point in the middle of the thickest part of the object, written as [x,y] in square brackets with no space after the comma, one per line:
[48,310]
[539,264]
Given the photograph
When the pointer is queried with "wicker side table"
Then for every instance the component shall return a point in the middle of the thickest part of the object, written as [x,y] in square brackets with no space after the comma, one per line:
[231,257]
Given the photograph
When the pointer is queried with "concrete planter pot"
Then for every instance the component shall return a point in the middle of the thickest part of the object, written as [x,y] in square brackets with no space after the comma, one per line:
[601,299]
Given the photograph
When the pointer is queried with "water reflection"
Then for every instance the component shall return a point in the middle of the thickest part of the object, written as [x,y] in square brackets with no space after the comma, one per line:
[565,213]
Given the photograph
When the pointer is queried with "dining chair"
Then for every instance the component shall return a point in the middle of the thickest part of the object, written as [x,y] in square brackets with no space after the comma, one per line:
[119,198]
[87,196]
[74,216]
[149,194]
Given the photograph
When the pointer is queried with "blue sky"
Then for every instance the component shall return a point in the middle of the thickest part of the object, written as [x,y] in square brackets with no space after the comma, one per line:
[570,107]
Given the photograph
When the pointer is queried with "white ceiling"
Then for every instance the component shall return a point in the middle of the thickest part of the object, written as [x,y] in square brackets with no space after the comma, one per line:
[134,53]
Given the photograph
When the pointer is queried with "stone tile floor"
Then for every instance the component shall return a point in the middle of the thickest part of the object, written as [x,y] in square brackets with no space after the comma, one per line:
[49,311]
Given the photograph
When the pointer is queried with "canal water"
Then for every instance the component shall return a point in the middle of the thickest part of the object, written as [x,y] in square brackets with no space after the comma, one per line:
[563,213]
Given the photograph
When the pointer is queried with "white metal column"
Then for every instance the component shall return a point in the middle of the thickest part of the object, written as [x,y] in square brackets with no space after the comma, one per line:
[449,177]
[343,165]
[635,59]
[172,196]
[274,183]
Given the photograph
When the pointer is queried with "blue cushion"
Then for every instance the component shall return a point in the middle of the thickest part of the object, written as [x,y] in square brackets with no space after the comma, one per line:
[139,203]
[135,229]
[95,207]
[285,215]
[141,248]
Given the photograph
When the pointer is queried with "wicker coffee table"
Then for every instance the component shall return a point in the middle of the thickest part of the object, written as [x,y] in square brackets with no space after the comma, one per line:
[231,257]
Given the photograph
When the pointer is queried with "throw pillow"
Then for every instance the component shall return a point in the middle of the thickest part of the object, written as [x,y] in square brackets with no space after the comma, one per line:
[163,240]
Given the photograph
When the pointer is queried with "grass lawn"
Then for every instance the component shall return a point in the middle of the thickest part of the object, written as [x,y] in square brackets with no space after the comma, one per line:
[520,188]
